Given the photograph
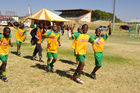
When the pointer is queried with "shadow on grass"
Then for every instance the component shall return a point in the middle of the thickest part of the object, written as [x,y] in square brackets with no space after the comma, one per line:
[28,57]
[67,61]
[63,73]
[83,73]
[13,52]
[39,66]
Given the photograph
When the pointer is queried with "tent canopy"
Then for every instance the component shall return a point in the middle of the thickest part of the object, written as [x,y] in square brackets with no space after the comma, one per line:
[46,15]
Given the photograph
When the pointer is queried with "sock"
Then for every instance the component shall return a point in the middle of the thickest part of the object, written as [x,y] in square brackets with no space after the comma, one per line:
[40,57]
[48,64]
[52,63]
[3,73]
[78,76]
[18,51]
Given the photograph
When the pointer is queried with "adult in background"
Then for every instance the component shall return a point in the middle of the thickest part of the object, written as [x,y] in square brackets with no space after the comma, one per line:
[38,49]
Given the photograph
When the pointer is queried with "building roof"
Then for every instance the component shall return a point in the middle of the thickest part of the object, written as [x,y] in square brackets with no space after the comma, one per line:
[67,10]
[47,15]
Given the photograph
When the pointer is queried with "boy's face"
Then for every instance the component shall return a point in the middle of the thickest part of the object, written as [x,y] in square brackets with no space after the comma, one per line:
[98,32]
[55,27]
[21,25]
[41,26]
[85,29]
[7,33]
[79,30]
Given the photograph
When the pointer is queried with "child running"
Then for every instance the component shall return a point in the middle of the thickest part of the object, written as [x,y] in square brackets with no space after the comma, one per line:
[80,50]
[53,40]
[20,37]
[79,30]
[5,41]
[98,46]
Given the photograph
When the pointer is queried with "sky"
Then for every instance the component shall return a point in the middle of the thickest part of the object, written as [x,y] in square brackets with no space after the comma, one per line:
[125,9]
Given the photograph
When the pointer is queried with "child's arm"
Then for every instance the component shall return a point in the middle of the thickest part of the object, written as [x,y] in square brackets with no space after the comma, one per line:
[25,35]
[73,29]
[13,24]
[109,26]
[10,43]
[59,43]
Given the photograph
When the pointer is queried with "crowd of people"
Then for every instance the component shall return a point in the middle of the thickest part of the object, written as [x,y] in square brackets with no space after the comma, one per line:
[80,42]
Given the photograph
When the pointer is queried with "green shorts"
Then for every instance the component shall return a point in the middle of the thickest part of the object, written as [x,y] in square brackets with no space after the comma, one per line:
[18,42]
[81,58]
[3,57]
[49,55]
[98,58]
[74,53]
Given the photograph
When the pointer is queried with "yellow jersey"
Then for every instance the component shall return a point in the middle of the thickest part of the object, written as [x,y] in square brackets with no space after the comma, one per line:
[98,44]
[20,33]
[52,43]
[81,42]
[4,45]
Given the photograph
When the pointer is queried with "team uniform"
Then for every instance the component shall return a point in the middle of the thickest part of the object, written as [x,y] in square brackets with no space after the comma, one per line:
[4,50]
[52,44]
[74,43]
[98,46]
[20,33]
[81,45]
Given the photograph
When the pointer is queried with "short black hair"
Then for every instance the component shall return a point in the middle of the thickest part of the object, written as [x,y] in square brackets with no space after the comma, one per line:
[5,28]
[84,25]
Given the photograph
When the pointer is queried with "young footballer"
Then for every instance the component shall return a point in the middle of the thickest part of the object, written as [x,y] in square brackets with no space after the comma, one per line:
[79,30]
[53,40]
[5,41]
[20,36]
[80,50]
[98,46]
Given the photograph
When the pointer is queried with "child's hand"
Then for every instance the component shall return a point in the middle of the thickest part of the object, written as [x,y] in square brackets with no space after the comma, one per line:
[59,44]
[24,39]
[11,45]
[109,26]
[102,35]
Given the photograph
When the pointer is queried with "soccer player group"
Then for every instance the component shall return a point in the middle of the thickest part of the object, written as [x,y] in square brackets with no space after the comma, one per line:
[80,42]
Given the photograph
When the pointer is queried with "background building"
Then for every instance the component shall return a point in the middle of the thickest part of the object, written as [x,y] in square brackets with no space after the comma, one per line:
[79,15]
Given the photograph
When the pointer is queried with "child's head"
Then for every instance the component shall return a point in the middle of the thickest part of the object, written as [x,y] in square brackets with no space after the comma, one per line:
[97,31]
[85,28]
[79,29]
[41,26]
[6,32]
[54,27]
[21,25]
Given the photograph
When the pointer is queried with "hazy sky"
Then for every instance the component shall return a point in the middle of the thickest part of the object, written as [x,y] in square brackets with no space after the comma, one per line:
[125,9]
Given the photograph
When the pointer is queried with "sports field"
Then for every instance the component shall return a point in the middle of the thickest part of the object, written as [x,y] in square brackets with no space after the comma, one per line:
[120,72]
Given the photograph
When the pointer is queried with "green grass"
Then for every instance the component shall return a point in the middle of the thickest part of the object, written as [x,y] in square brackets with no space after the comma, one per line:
[119,74]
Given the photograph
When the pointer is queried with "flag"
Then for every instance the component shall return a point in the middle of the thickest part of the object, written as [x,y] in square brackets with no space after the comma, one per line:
[29,9]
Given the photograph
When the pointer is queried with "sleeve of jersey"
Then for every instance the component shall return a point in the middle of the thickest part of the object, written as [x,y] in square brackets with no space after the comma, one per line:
[91,39]
[25,32]
[17,27]
[0,36]
[59,38]
[72,37]
[105,36]
[48,33]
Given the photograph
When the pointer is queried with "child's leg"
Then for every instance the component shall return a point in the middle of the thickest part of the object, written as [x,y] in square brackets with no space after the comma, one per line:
[35,51]
[3,68]
[98,64]
[54,59]
[80,67]
[18,48]
[48,60]
[39,51]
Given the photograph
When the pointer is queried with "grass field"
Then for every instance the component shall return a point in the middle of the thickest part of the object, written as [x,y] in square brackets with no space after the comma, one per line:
[120,72]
